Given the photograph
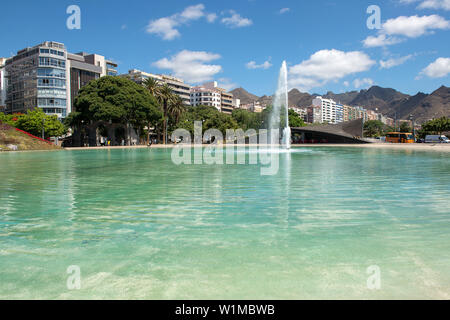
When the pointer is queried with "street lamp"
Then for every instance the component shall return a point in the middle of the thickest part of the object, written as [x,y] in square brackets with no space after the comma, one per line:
[411,117]
[43,128]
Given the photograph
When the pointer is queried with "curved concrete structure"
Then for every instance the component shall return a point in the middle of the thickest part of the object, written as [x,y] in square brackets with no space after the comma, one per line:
[346,132]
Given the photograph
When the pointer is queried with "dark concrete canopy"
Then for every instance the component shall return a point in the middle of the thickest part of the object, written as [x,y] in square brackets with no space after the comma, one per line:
[349,132]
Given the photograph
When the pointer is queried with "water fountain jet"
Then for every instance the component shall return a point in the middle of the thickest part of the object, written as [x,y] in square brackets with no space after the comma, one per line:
[281,107]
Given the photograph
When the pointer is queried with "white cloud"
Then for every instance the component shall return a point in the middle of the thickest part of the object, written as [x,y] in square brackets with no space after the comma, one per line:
[252,65]
[380,41]
[437,69]
[393,62]
[414,26]
[430,4]
[193,12]
[164,27]
[435,4]
[167,27]
[365,83]
[328,65]
[284,10]
[227,84]
[236,21]
[191,66]
[410,27]
[211,17]
[346,83]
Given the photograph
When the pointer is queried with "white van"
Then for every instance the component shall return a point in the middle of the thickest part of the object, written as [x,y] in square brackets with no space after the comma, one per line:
[436,139]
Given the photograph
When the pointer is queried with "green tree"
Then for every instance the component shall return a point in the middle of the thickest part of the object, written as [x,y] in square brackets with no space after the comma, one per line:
[373,128]
[176,109]
[210,117]
[295,121]
[35,120]
[247,120]
[115,100]
[405,127]
[152,86]
[166,97]
[436,126]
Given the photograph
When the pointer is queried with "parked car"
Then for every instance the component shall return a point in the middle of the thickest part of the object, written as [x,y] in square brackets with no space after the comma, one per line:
[436,139]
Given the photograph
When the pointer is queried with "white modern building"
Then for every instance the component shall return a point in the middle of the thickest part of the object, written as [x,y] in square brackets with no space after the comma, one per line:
[177,85]
[330,112]
[236,103]
[207,94]
[48,77]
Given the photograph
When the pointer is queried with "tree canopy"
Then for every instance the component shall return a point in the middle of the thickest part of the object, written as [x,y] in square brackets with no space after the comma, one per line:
[115,100]
[436,126]
[34,121]
[375,128]
[209,116]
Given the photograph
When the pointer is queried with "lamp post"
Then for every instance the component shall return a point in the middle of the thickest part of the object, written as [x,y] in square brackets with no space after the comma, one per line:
[43,128]
[411,117]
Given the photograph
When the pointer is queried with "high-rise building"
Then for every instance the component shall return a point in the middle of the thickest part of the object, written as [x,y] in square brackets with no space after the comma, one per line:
[81,72]
[339,113]
[209,94]
[37,77]
[3,85]
[314,114]
[48,77]
[328,109]
[206,96]
[177,85]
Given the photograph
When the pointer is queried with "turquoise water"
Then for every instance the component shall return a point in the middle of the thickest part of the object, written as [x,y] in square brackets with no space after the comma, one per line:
[140,227]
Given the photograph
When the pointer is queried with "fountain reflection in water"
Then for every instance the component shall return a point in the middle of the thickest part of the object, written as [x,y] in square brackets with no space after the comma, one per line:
[280,112]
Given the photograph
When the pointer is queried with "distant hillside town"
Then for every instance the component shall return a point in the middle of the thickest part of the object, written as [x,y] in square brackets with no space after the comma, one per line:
[49,77]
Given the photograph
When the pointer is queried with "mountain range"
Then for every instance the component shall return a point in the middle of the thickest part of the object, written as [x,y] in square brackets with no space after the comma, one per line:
[387,101]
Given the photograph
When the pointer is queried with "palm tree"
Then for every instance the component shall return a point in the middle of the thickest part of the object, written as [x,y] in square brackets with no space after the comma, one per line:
[166,98]
[176,108]
[154,88]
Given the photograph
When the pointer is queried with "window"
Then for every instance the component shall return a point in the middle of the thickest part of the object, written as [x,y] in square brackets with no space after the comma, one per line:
[44,61]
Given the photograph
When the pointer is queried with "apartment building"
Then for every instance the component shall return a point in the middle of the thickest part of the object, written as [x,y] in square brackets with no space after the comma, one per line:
[236,103]
[314,114]
[177,85]
[204,96]
[47,76]
[227,102]
[339,112]
[328,109]
[255,106]
[3,85]
[209,94]
[302,112]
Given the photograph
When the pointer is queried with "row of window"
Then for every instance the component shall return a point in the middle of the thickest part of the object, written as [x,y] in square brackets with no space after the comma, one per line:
[52,93]
[52,102]
[51,51]
[205,99]
[51,83]
[199,94]
[51,72]
[44,61]
[60,111]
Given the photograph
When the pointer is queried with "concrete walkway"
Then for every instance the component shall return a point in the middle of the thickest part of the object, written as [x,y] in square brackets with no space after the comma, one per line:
[386,146]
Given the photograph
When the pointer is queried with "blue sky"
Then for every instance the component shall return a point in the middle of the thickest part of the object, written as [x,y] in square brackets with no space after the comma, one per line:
[327,44]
